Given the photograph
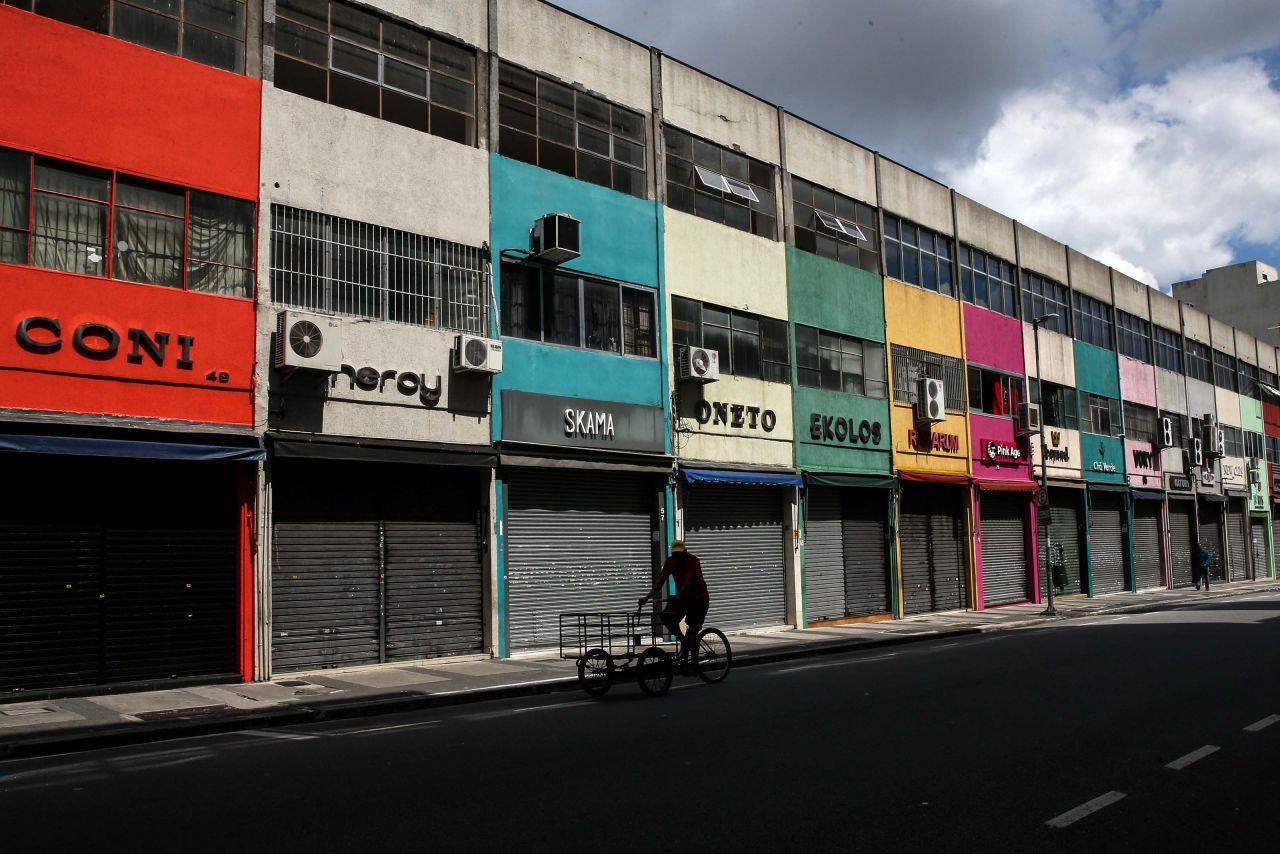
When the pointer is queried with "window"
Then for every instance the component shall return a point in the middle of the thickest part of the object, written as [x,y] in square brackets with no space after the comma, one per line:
[1265,377]
[1058,407]
[1249,380]
[357,60]
[207,31]
[719,184]
[1091,319]
[1232,441]
[749,345]
[347,267]
[1179,424]
[1199,366]
[1168,347]
[1273,449]
[62,216]
[1041,296]
[987,281]
[834,226]
[840,363]
[1099,415]
[1140,423]
[1253,444]
[910,364]
[917,256]
[1133,336]
[1224,370]
[994,393]
[560,307]
[554,126]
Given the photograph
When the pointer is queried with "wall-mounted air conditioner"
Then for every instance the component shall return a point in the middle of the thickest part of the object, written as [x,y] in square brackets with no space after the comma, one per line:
[307,340]
[473,353]
[557,237]
[698,364]
[1029,417]
[931,400]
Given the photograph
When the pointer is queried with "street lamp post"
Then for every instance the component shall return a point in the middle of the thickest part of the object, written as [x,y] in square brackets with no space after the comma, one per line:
[1050,611]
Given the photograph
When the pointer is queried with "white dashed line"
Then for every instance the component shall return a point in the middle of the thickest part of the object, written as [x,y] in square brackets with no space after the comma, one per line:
[1258,726]
[1085,809]
[1194,756]
[801,668]
[394,727]
[281,736]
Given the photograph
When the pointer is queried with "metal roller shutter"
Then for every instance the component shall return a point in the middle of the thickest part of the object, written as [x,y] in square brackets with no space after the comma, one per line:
[737,532]
[1064,537]
[1004,550]
[866,555]
[1258,537]
[1180,542]
[1106,539]
[1146,544]
[576,541]
[824,574]
[1238,540]
[1211,536]
[434,588]
[931,531]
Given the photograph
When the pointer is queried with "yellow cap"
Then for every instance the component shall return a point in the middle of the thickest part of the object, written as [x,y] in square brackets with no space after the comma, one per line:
[677,545]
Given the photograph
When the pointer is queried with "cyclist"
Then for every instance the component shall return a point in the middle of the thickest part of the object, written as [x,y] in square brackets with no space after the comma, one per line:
[690,601]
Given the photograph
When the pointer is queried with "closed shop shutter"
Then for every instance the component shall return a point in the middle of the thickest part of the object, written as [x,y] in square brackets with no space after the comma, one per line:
[1064,538]
[1004,551]
[824,581]
[866,554]
[576,542]
[1258,537]
[1237,540]
[434,596]
[1275,531]
[1211,536]
[1146,544]
[1106,540]
[1180,542]
[737,533]
[931,531]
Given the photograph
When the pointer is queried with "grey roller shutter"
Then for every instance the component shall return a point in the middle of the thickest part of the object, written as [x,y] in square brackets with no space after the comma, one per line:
[433,595]
[1106,540]
[1258,539]
[1180,543]
[576,542]
[866,554]
[1238,540]
[931,534]
[1211,536]
[824,580]
[1146,544]
[1004,550]
[737,532]
[1064,536]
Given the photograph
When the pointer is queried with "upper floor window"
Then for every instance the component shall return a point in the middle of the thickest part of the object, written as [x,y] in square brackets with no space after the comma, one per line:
[1199,364]
[1253,444]
[1249,380]
[562,129]
[987,281]
[1232,441]
[1059,406]
[1133,336]
[749,345]
[1041,296]
[1099,415]
[917,256]
[355,59]
[207,31]
[840,363]
[719,184]
[1091,320]
[563,307]
[834,226]
[1273,449]
[1224,370]
[910,364]
[1265,377]
[1168,347]
[63,216]
[1140,422]
[992,392]
[342,266]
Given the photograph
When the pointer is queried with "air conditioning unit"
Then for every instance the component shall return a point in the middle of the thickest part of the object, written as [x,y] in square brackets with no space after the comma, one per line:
[307,340]
[699,364]
[557,238]
[473,353]
[1165,436]
[931,400]
[1197,452]
[1255,470]
[1029,417]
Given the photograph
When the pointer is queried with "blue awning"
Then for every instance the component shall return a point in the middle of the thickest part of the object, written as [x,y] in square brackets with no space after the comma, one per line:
[93,447]
[756,478]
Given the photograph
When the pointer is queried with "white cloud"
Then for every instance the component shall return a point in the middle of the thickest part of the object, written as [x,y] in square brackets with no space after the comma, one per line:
[1156,180]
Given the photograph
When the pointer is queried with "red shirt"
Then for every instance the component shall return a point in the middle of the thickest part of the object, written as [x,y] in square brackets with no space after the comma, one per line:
[688,576]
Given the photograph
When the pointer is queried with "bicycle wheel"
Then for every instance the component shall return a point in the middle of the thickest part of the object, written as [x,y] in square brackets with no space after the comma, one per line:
[653,671]
[595,672]
[714,656]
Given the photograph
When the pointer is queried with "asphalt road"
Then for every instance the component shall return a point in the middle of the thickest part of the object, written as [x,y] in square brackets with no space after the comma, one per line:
[975,744]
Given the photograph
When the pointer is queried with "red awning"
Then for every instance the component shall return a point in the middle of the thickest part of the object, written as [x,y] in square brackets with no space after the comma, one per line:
[1007,485]
[930,477]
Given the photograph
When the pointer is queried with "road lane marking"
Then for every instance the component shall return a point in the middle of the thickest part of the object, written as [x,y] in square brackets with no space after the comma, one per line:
[827,664]
[379,729]
[1085,809]
[282,736]
[484,716]
[1258,726]
[1194,756]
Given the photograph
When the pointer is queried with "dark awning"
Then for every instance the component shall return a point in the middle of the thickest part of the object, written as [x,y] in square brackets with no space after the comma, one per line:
[1213,496]
[855,481]
[1148,494]
[371,450]
[241,448]
[1108,487]
[930,477]
[623,463]
[1006,485]
[755,478]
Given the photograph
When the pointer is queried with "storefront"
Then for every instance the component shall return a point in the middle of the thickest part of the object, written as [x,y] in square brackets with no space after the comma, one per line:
[1182,528]
[1211,507]
[933,542]
[1006,556]
[1147,506]
[1237,532]
[1064,538]
[1106,527]
[847,547]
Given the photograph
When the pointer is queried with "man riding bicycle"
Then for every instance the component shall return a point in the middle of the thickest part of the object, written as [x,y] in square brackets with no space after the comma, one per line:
[690,601]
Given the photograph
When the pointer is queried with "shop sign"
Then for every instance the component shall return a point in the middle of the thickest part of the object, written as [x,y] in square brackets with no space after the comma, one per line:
[1177,481]
[1000,452]
[928,441]
[1100,465]
[100,342]
[1232,471]
[829,428]
[737,415]
[546,419]
[1207,477]
[1143,459]
[1056,454]
[407,383]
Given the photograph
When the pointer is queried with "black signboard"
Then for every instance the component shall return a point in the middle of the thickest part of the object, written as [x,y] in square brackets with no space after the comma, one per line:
[576,422]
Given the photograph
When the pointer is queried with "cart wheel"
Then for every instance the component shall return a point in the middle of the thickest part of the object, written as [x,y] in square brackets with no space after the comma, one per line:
[595,672]
[653,671]
[714,656]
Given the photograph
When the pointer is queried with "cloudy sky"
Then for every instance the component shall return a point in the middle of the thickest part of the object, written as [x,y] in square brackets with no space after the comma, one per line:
[1145,133]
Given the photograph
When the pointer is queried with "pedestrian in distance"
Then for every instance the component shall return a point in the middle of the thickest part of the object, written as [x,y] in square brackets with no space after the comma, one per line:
[690,602]
[1200,566]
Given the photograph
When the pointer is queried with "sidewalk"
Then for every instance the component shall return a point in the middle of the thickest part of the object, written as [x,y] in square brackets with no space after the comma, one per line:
[44,727]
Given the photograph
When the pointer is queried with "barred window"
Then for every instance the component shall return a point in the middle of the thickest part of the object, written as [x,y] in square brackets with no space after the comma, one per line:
[910,363]
[1249,380]
[835,226]
[840,363]
[918,256]
[326,263]
[1224,370]
[1140,422]
[719,184]
[1099,415]
[1134,336]
[1091,320]
[1059,406]
[1199,363]
[1041,296]
[987,281]
[750,345]
[1168,347]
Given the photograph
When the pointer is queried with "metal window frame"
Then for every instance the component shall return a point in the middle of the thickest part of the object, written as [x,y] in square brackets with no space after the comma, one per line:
[181,18]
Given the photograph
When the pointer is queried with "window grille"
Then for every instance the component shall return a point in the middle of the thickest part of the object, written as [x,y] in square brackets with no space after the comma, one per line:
[909,364]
